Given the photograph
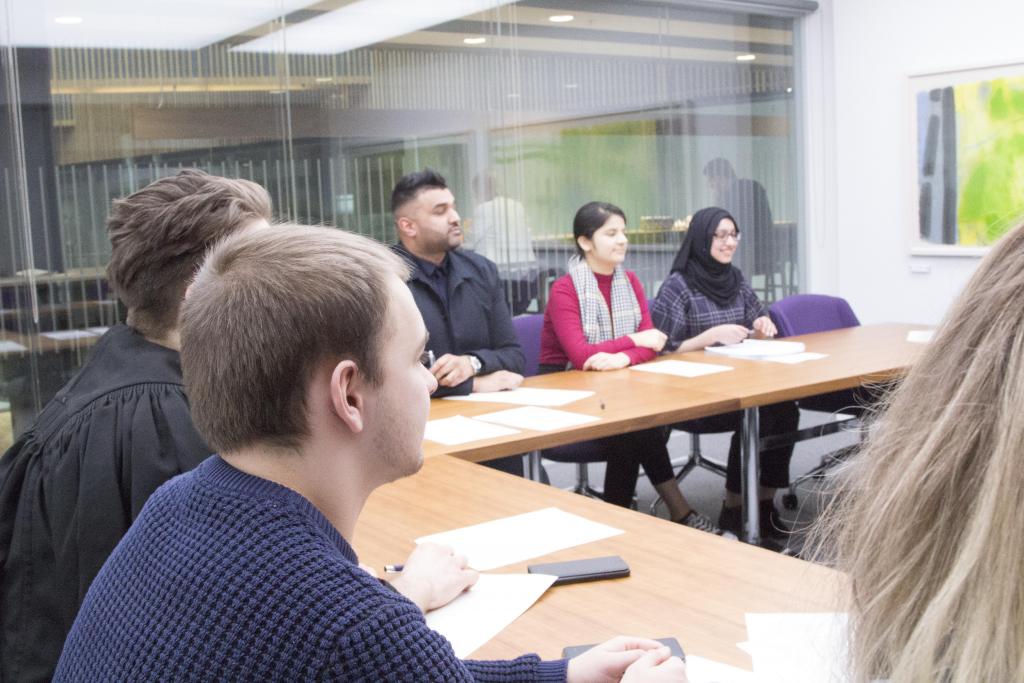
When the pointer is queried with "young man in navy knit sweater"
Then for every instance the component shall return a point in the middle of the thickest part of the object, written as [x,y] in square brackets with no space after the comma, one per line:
[301,353]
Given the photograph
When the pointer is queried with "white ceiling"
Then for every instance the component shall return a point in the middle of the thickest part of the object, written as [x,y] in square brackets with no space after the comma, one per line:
[363,23]
[138,24]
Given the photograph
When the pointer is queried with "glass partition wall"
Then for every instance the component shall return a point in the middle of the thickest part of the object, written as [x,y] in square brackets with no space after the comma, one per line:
[529,109]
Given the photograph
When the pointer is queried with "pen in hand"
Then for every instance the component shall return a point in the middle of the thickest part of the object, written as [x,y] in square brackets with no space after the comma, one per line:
[393,568]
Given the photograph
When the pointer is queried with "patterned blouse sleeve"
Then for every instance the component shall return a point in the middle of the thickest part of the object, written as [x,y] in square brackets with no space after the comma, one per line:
[668,312]
[752,306]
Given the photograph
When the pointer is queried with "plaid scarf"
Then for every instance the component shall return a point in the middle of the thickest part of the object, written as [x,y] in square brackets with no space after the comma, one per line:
[598,325]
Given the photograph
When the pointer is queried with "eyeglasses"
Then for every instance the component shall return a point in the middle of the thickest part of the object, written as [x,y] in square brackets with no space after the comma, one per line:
[725,236]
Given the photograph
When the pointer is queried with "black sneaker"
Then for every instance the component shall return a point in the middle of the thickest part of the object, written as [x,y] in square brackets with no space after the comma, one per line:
[771,523]
[695,520]
[731,519]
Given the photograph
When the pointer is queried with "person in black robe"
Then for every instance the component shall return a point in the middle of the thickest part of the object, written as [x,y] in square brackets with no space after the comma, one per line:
[72,484]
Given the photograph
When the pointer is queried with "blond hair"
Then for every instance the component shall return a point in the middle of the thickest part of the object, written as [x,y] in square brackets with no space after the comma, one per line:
[160,234]
[269,306]
[927,520]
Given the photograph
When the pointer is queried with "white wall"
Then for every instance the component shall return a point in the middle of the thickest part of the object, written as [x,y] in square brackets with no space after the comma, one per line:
[857,146]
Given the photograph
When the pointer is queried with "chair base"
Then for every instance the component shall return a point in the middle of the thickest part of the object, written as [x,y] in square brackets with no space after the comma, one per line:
[534,467]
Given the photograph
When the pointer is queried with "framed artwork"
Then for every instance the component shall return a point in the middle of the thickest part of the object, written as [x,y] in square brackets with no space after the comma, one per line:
[968,175]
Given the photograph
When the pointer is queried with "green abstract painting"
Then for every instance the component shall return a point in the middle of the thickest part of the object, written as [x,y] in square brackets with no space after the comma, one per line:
[970,164]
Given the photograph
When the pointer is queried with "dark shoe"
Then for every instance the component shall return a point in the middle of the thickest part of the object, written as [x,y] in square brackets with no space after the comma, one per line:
[731,520]
[771,524]
[695,520]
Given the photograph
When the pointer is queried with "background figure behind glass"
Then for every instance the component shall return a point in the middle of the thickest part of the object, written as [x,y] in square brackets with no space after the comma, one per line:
[747,200]
[501,232]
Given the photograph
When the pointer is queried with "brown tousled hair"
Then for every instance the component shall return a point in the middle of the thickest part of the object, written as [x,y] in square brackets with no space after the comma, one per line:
[160,234]
[927,519]
[266,309]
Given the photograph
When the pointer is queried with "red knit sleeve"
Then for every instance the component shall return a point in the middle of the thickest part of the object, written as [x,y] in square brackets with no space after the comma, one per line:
[639,354]
[564,312]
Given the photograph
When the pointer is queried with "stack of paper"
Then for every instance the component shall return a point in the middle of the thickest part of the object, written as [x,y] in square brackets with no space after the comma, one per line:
[681,368]
[758,348]
[521,537]
[526,396]
[920,336]
[701,670]
[538,419]
[452,431]
[794,358]
[482,612]
[798,648]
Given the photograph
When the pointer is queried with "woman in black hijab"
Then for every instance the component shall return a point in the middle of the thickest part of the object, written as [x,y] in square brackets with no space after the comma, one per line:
[705,301]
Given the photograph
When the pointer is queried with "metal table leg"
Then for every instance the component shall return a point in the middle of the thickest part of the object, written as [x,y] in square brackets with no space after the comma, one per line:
[533,466]
[749,468]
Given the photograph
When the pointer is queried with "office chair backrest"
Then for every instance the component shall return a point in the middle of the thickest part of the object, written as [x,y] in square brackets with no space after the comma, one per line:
[528,328]
[807,313]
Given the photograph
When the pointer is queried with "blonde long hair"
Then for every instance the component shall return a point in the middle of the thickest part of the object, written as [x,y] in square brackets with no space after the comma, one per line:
[928,519]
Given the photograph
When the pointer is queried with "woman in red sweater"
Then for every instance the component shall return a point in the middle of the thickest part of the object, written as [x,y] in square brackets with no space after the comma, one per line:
[597,319]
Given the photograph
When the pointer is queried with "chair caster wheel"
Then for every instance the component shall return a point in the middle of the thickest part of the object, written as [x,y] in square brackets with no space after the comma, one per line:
[789,501]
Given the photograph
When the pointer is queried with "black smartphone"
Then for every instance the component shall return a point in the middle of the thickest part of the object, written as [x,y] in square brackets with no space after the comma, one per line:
[591,569]
[672,643]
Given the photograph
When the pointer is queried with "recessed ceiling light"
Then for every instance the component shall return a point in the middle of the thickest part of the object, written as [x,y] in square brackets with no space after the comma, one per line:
[745,58]
[572,86]
[474,41]
[67,21]
[561,18]
[789,89]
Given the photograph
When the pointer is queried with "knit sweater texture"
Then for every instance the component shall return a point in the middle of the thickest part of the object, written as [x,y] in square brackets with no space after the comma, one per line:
[227,576]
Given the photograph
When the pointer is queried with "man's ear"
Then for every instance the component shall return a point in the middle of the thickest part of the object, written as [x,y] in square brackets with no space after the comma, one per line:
[405,226]
[347,395]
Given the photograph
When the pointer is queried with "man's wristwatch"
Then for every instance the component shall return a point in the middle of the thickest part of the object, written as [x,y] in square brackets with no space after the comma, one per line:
[474,363]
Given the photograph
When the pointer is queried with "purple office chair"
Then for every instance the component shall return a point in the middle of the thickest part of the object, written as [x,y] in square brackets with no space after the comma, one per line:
[795,315]
[806,314]
[528,330]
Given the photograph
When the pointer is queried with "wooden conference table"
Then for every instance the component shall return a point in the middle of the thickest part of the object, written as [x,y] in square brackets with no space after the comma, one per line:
[627,400]
[685,584]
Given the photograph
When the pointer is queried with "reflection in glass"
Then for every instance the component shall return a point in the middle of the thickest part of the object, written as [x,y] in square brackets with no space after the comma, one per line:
[622,102]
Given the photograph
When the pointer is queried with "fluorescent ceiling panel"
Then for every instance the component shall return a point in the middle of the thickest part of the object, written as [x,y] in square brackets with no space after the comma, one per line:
[366,22]
[139,24]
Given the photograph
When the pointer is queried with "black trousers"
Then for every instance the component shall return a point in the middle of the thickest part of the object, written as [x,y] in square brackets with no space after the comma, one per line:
[623,455]
[778,418]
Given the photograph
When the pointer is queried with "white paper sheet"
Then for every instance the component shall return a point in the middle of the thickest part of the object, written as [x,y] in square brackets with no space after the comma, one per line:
[8,346]
[701,670]
[758,348]
[538,419]
[920,336]
[521,537]
[64,335]
[681,368]
[794,358]
[798,648]
[526,396]
[482,612]
[451,431]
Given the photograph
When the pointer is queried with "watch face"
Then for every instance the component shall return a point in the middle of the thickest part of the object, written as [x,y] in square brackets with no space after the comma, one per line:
[475,363]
